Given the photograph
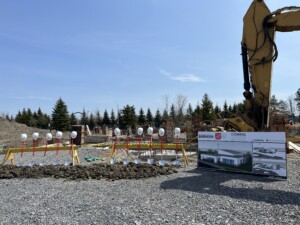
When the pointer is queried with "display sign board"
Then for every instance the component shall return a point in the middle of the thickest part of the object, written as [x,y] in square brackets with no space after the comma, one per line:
[261,153]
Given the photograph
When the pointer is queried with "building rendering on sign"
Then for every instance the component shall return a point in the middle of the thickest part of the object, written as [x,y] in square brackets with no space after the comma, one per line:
[230,157]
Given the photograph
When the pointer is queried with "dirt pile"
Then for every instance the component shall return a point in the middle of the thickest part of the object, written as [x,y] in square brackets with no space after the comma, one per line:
[79,172]
[10,133]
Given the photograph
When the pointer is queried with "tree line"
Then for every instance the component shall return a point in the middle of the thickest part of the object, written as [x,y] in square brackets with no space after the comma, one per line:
[177,111]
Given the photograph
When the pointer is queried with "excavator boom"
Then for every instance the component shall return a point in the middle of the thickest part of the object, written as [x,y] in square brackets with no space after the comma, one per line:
[259,51]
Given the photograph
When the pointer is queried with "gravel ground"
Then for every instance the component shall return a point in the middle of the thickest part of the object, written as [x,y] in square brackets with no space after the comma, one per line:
[190,196]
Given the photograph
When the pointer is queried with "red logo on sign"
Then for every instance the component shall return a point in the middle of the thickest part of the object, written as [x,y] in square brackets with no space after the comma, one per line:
[218,136]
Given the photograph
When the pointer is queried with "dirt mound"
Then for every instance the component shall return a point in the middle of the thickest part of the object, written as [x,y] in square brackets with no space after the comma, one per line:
[79,172]
[10,133]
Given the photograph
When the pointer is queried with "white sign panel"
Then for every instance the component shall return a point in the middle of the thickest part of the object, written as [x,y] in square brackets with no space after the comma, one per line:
[254,152]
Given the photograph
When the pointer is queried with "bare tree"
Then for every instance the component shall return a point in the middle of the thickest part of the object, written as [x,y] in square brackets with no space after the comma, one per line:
[165,99]
[180,103]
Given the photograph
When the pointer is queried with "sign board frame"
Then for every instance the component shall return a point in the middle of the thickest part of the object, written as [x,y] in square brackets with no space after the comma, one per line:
[259,153]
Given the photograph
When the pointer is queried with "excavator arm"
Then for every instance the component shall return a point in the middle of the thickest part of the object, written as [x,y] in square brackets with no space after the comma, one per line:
[259,51]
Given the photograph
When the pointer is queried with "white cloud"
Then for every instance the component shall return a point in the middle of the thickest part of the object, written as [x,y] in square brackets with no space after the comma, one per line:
[163,72]
[182,77]
[187,78]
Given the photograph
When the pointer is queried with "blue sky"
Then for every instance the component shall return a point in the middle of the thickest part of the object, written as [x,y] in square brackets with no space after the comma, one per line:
[104,54]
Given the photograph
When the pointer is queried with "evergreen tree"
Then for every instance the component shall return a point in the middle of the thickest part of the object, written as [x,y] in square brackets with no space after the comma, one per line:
[60,116]
[173,112]
[234,109]
[217,110]
[179,119]
[19,117]
[207,108]
[297,99]
[29,118]
[149,117]
[230,109]
[128,117]
[198,111]
[189,110]
[273,103]
[225,110]
[119,118]
[98,118]
[165,116]
[24,116]
[40,119]
[33,119]
[141,117]
[106,120]
[47,121]
[278,106]
[157,119]
[113,118]
[73,120]
[84,118]
[91,121]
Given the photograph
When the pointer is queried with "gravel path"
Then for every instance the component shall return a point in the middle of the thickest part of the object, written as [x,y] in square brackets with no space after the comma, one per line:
[189,197]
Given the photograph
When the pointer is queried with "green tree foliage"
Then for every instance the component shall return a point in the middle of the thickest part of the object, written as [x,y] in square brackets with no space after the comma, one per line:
[98,118]
[173,112]
[29,118]
[73,120]
[179,121]
[84,120]
[18,117]
[128,118]
[43,120]
[198,111]
[217,110]
[234,108]
[165,116]
[240,107]
[278,106]
[189,111]
[297,99]
[33,119]
[230,109]
[149,117]
[106,120]
[225,112]
[92,121]
[141,117]
[113,119]
[207,108]
[157,119]
[60,116]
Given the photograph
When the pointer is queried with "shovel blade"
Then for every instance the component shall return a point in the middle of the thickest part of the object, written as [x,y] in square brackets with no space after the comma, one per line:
[112,161]
[137,161]
[150,161]
[20,164]
[126,162]
[67,163]
[31,164]
[55,162]
[176,162]
[162,162]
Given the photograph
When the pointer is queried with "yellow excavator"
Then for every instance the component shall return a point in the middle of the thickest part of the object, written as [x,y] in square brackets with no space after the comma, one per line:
[259,51]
